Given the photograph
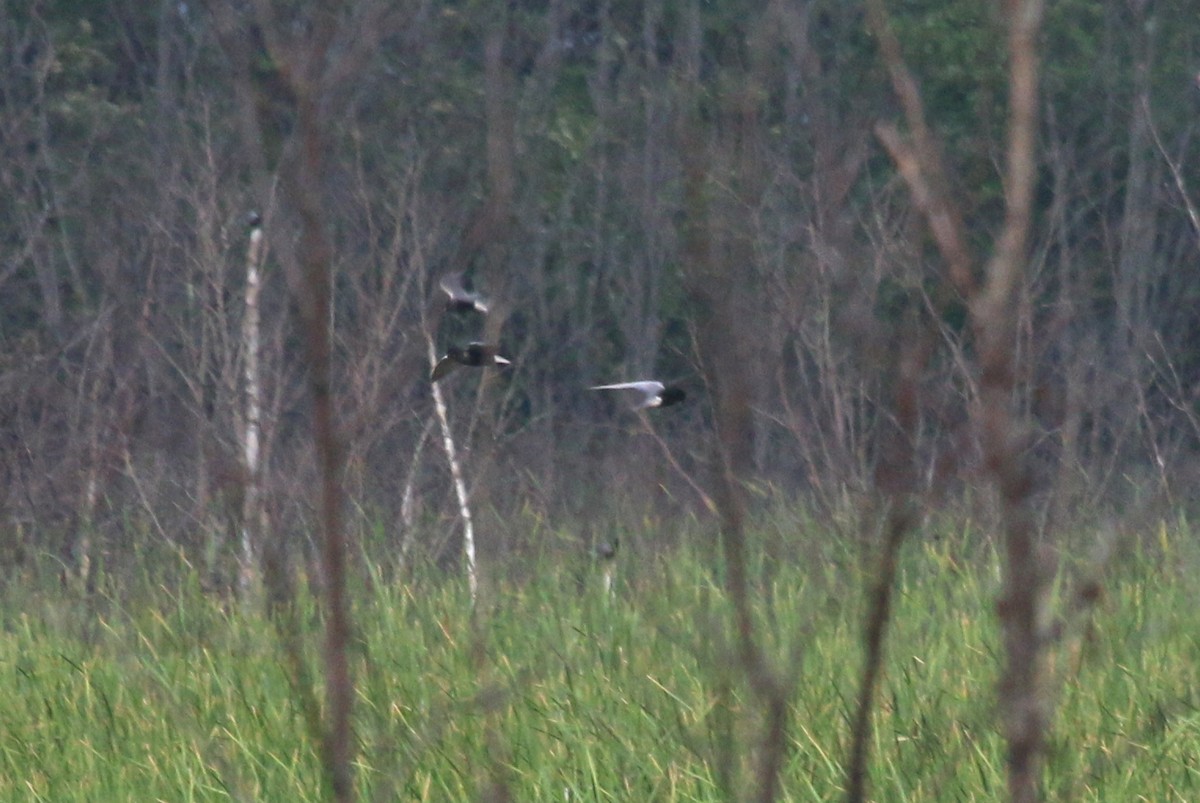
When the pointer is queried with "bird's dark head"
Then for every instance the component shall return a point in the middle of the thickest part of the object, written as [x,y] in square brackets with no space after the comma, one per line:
[606,550]
[671,395]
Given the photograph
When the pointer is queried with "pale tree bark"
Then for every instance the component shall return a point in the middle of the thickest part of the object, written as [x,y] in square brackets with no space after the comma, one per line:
[253,520]
[429,323]
[408,498]
[456,474]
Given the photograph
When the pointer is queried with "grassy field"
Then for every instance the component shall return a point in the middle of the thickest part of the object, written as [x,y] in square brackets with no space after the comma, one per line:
[562,692]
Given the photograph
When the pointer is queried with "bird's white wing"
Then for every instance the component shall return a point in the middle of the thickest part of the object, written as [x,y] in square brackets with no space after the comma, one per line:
[648,387]
[452,285]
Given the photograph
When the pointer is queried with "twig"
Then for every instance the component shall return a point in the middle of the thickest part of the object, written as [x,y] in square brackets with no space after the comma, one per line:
[1176,175]
[666,450]
[921,165]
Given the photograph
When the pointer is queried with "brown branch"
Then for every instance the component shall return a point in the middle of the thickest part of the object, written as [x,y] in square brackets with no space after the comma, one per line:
[993,314]
[898,522]
[711,287]
[898,474]
[1176,173]
[301,62]
[304,179]
[944,224]
[666,450]
[922,163]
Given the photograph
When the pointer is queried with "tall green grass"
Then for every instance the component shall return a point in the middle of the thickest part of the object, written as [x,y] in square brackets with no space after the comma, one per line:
[562,692]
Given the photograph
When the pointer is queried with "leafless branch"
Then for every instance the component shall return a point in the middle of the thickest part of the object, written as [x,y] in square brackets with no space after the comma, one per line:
[897,478]
[922,164]
[994,315]
[1176,174]
[670,458]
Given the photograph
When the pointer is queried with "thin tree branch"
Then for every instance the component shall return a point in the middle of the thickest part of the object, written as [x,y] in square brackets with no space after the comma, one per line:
[897,473]
[1176,174]
[923,162]
[666,451]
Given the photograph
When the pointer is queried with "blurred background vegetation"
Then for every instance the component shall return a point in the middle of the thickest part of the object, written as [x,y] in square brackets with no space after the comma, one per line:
[534,145]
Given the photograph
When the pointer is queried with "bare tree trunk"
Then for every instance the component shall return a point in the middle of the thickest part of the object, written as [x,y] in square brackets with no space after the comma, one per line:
[994,311]
[81,559]
[897,478]
[496,225]
[306,181]
[460,486]
[253,523]
[310,73]
[408,496]
[713,289]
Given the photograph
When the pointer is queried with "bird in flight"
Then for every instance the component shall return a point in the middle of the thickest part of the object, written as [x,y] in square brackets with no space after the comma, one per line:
[651,393]
[459,298]
[475,355]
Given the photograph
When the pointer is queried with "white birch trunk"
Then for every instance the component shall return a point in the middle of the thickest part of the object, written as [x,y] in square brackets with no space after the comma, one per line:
[252,507]
[460,487]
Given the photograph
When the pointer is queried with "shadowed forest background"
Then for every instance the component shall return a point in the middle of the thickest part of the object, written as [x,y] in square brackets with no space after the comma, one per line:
[534,148]
[687,191]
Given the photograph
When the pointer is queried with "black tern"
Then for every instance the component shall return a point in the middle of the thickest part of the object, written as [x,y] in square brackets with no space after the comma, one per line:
[475,355]
[459,298]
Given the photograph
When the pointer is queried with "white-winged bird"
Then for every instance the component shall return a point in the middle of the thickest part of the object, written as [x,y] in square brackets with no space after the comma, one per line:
[459,298]
[651,393]
[475,355]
